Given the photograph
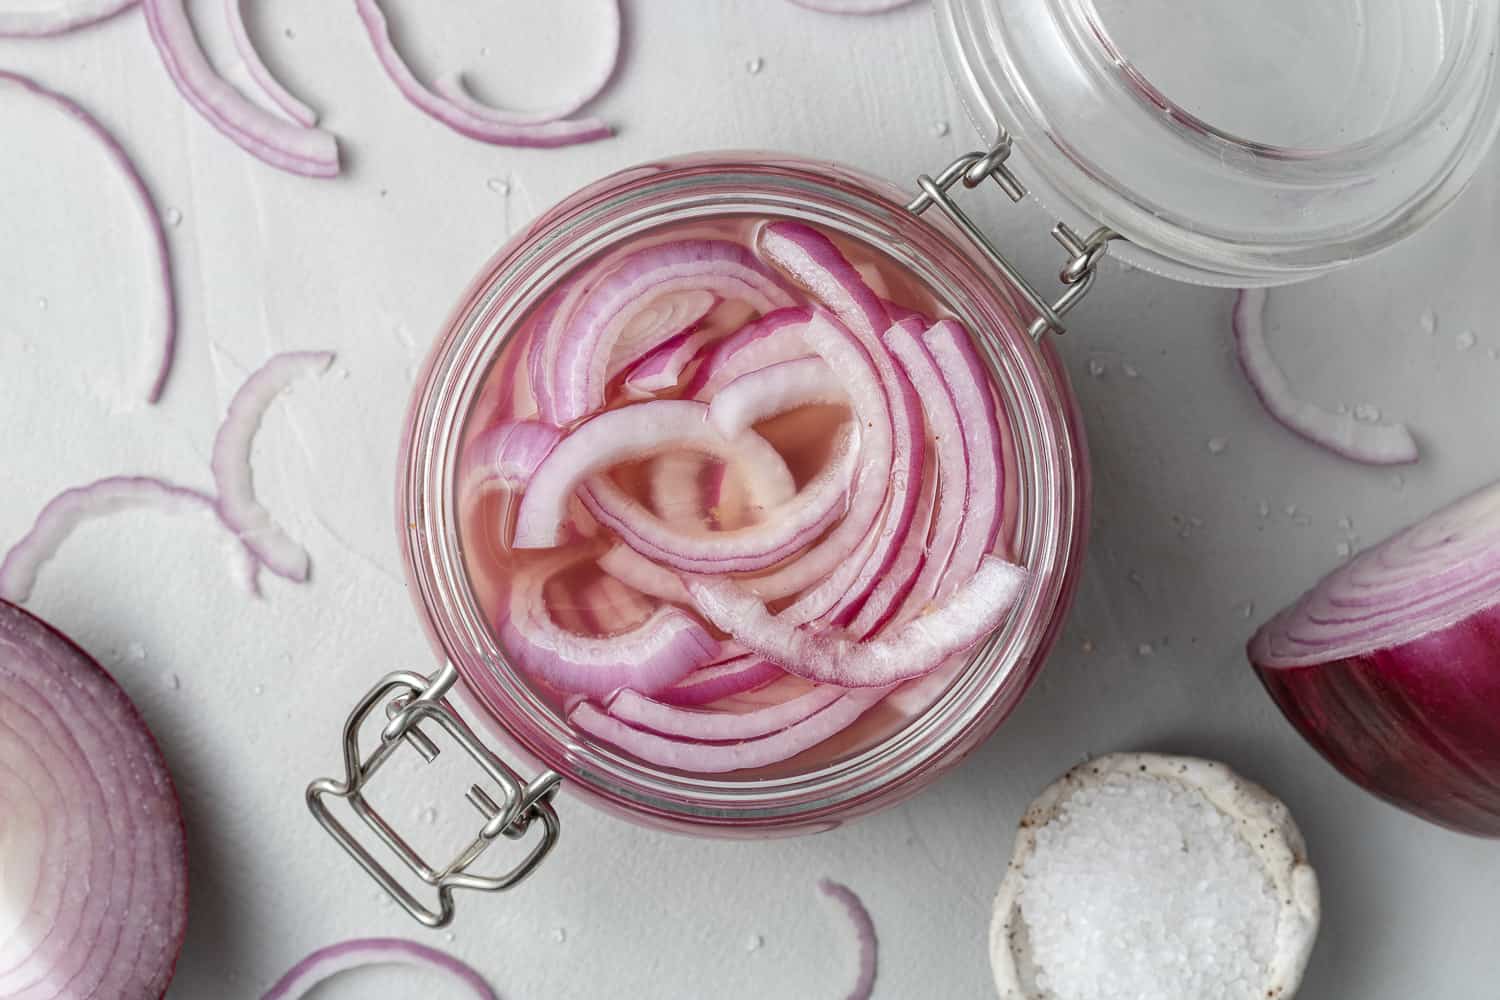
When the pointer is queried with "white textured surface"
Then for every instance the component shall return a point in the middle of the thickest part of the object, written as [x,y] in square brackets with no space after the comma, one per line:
[370,264]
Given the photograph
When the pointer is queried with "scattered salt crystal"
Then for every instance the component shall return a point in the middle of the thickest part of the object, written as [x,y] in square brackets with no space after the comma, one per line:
[41,304]
[1495,353]
[1366,413]
[1196,522]
[1291,509]
[755,942]
[1145,649]
[1344,550]
[259,689]
[498,185]
[172,681]
[1466,340]
[450,937]
[1429,321]
[1346,522]
[559,934]
[940,129]
[1096,367]
[1216,445]
[173,217]
[755,65]
[1247,609]
[135,652]
[428,815]
[1140,887]
[1263,509]
[1130,371]
[1087,645]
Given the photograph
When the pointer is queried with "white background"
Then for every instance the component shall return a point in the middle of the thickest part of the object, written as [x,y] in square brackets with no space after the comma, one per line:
[1182,566]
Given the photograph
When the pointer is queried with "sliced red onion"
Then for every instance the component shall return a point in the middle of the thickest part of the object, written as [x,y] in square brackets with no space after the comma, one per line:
[59,18]
[451,85]
[296,148]
[965,376]
[736,676]
[718,758]
[580,355]
[231,461]
[1390,666]
[161,356]
[634,432]
[641,712]
[665,319]
[866,948]
[635,570]
[296,110]
[93,902]
[851,6]
[776,336]
[815,264]
[506,455]
[660,651]
[325,963]
[662,368]
[890,591]
[786,528]
[969,615]
[70,508]
[776,389]
[484,128]
[1340,433]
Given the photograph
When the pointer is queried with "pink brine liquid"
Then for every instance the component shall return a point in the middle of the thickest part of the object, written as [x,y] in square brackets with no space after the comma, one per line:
[695,492]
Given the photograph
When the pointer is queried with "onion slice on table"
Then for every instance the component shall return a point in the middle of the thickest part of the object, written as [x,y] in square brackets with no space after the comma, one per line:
[325,963]
[1390,666]
[866,948]
[231,462]
[59,17]
[93,902]
[506,455]
[483,128]
[660,651]
[1340,433]
[972,612]
[311,152]
[851,6]
[295,109]
[451,85]
[70,508]
[166,323]
[648,297]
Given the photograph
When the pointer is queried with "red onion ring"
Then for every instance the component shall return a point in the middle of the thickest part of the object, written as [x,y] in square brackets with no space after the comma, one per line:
[637,710]
[233,477]
[483,128]
[660,651]
[776,336]
[971,613]
[60,18]
[90,810]
[775,389]
[311,152]
[1340,433]
[296,110]
[163,355]
[325,963]
[866,948]
[72,507]
[735,676]
[506,455]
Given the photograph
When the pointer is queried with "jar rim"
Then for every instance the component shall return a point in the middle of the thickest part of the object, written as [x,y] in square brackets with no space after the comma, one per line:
[1050,531]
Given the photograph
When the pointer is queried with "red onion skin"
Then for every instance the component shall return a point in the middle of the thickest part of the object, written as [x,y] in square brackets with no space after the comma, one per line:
[1417,724]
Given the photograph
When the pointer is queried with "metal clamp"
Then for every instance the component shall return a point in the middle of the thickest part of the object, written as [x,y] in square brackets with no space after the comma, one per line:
[411,699]
[1084,253]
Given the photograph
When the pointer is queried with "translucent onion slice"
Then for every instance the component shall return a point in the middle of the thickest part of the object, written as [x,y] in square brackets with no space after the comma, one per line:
[709,684]
[776,336]
[295,109]
[775,389]
[506,455]
[662,368]
[641,712]
[325,963]
[635,570]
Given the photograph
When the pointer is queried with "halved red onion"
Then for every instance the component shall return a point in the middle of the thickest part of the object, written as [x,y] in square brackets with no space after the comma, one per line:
[776,336]
[775,389]
[681,723]
[746,672]
[851,6]
[1391,666]
[785,529]
[301,150]
[718,758]
[161,357]
[866,948]
[635,432]
[506,455]
[662,368]
[580,356]
[231,461]
[59,17]
[970,614]
[325,963]
[484,128]
[93,898]
[451,85]
[70,508]
[660,651]
[964,374]
[295,109]
[635,570]
[1341,433]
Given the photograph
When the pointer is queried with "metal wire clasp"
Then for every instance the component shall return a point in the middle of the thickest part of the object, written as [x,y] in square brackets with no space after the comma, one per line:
[1084,253]
[410,699]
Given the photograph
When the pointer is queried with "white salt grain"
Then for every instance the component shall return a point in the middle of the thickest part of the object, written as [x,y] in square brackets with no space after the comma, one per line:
[1140,887]
[1466,340]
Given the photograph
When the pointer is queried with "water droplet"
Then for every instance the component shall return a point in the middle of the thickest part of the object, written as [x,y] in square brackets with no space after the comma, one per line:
[1087,645]
[1466,340]
[41,304]
[755,65]
[259,689]
[1196,522]
[1366,413]
[1398,482]
[498,185]
[173,217]
[1096,368]
[1145,649]
[559,934]
[1291,509]
[1429,321]
[135,652]
[1247,609]
[940,129]
[1134,577]
[1302,521]
[1346,522]
[1263,509]
[1495,353]
[1344,550]
[172,681]
[450,937]
[1216,445]
[754,942]
[428,815]
[1342,408]
[290,33]
[1130,371]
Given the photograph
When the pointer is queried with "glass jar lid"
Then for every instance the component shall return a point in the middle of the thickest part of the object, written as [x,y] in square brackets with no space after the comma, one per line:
[1234,143]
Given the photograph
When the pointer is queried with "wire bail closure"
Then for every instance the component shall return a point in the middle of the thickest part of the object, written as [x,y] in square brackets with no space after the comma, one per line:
[410,699]
[1084,253]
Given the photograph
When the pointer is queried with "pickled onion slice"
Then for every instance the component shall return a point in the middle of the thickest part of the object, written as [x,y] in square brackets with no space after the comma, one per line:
[743,673]
[662,369]
[506,455]
[776,336]
[683,723]
[775,389]
[667,318]
[635,570]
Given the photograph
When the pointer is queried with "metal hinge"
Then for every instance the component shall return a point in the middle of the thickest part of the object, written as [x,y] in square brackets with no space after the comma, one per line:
[1084,253]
